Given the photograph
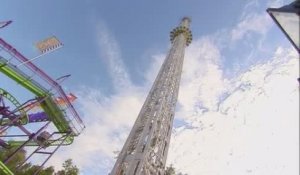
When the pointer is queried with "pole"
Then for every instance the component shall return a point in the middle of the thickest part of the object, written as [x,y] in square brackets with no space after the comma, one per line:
[39,56]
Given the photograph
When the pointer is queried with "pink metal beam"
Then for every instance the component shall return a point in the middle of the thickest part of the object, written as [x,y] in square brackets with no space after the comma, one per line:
[45,77]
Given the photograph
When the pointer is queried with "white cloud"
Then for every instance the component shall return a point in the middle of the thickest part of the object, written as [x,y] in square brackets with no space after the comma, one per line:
[236,126]
[110,52]
[108,121]
[255,130]
[201,67]
[253,121]
[107,118]
[152,71]
[253,22]
[276,3]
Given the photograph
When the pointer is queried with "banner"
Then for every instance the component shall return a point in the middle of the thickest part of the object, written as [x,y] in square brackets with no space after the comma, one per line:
[58,100]
[48,44]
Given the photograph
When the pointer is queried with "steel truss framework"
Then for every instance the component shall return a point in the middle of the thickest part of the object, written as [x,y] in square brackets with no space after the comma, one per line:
[145,150]
[17,116]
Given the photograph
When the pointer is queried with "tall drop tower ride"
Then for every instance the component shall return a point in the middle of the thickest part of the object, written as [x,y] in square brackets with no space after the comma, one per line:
[145,150]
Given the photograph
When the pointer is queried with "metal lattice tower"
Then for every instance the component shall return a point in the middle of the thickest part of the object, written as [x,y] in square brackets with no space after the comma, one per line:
[145,150]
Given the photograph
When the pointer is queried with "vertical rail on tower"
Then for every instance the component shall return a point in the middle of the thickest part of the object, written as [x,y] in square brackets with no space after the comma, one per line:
[145,150]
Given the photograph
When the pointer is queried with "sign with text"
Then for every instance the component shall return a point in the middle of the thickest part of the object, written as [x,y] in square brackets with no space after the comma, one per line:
[48,44]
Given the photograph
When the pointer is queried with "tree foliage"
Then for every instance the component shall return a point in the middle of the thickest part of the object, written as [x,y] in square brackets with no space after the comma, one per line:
[29,169]
[171,171]
[69,168]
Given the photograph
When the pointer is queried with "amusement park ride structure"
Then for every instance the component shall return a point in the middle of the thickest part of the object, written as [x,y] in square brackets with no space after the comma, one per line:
[146,148]
[21,116]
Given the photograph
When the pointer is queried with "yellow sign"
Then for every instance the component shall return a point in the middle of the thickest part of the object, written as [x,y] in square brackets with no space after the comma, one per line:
[48,44]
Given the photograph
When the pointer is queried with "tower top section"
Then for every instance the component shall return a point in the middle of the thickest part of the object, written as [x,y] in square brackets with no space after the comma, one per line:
[185,22]
[182,29]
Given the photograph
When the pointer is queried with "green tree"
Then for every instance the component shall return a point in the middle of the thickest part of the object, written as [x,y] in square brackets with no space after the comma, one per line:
[32,169]
[29,169]
[170,170]
[16,160]
[69,168]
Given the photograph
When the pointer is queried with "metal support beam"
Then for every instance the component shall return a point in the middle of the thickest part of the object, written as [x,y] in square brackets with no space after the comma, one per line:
[146,148]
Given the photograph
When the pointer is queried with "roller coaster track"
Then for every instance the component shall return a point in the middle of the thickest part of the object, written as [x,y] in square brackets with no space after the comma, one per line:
[65,118]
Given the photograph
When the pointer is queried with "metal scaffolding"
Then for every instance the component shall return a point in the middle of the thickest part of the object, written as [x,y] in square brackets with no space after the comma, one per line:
[145,150]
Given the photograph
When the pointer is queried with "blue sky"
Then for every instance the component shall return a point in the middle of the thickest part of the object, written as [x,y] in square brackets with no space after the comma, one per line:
[140,28]
[113,50]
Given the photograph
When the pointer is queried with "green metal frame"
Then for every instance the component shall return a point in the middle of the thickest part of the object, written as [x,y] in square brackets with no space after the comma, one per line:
[48,105]
[53,111]
[4,169]
[15,102]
